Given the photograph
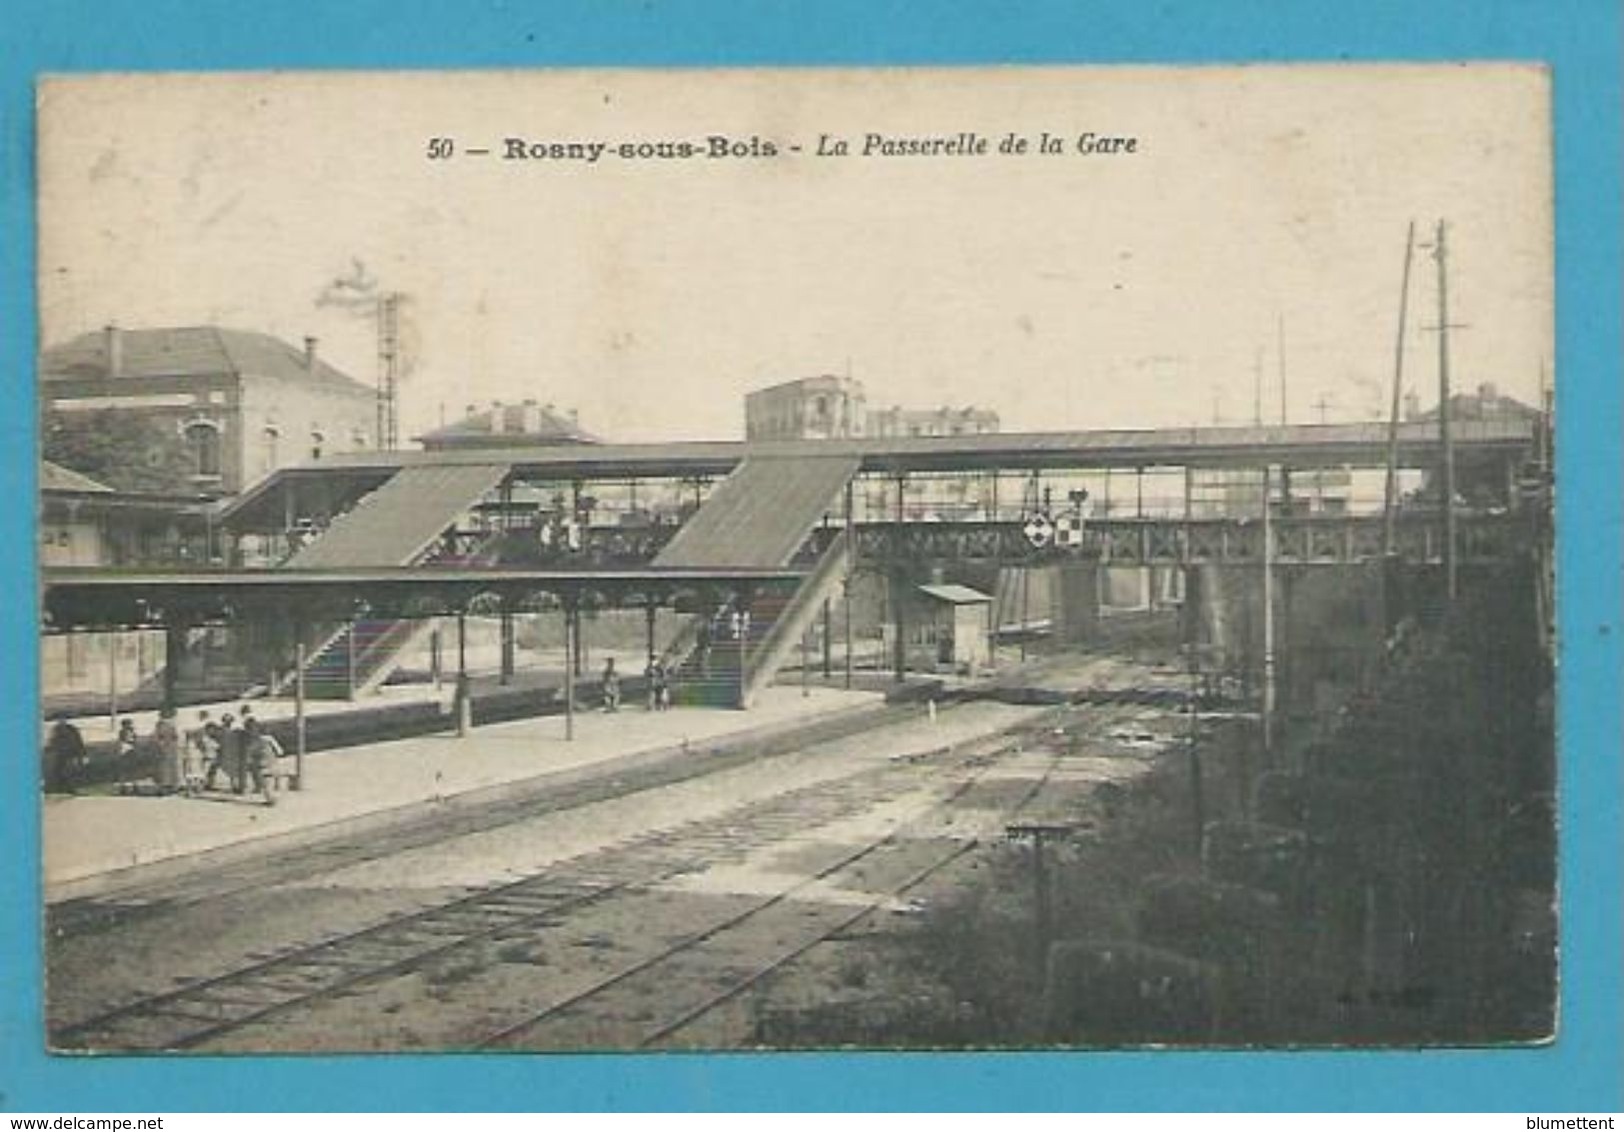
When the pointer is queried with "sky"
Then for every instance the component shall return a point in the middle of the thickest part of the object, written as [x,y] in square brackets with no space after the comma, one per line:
[1064,290]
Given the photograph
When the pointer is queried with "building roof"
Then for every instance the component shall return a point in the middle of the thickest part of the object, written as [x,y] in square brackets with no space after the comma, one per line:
[816,382]
[401,519]
[59,485]
[189,351]
[54,477]
[1486,404]
[955,594]
[520,425]
[761,513]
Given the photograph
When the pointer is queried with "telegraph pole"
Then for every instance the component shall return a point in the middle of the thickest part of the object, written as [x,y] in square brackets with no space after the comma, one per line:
[1267,712]
[1390,509]
[1445,439]
[1257,387]
[1280,336]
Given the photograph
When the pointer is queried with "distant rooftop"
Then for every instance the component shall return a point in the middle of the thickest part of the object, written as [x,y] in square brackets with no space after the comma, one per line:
[821,381]
[522,424]
[1486,404]
[188,351]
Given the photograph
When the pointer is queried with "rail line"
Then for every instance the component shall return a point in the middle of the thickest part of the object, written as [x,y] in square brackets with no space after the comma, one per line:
[523,1034]
[209,1008]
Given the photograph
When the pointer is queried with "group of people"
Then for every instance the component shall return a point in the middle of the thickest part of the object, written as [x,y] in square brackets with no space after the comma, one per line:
[236,749]
[239,749]
[655,676]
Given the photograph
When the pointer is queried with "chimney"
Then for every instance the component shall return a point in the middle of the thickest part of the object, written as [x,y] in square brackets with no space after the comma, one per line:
[115,350]
[530,416]
[498,418]
[310,354]
[1412,406]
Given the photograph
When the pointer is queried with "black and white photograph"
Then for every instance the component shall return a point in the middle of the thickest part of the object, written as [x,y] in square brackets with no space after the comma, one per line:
[902,559]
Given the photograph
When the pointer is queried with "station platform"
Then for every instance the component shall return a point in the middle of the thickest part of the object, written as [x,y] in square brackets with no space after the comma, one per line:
[95,842]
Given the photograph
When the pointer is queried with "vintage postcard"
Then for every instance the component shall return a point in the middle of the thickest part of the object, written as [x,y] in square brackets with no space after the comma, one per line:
[1014,557]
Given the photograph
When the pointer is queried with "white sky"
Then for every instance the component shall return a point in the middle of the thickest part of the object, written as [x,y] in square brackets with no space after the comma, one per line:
[1066,292]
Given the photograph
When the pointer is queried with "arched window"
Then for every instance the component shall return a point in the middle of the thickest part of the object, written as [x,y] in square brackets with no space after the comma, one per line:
[203,441]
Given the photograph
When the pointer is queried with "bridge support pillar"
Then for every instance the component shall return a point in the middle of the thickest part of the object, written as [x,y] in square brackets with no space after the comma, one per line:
[300,657]
[899,619]
[572,634]
[507,644]
[464,693]
[1076,611]
[828,638]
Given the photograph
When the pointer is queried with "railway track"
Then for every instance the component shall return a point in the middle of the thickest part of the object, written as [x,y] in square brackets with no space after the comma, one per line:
[203,1011]
[702,961]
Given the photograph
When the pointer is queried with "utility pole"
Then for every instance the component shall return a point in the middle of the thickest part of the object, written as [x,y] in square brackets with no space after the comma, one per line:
[1038,833]
[1268,620]
[1444,437]
[1390,508]
[1280,328]
[1257,387]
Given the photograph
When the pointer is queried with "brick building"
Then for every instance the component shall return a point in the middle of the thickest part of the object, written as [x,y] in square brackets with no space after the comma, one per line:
[243,403]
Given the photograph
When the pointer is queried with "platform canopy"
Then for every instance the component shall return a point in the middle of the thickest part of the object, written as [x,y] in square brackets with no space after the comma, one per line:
[89,598]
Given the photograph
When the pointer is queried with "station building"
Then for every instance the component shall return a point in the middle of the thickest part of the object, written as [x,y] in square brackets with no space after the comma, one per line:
[244,403]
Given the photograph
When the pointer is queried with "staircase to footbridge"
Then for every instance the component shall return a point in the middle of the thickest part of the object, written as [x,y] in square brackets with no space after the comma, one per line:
[787,507]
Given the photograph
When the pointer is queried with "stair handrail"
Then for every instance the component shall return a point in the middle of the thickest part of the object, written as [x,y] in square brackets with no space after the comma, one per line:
[681,647]
[808,593]
[489,544]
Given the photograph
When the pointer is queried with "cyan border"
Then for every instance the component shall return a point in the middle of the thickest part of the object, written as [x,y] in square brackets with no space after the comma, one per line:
[1579,38]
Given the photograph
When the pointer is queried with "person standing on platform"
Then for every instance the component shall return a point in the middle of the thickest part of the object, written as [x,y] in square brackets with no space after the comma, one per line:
[65,759]
[658,692]
[166,740]
[126,742]
[214,737]
[610,686]
[126,748]
[231,751]
[259,758]
[195,757]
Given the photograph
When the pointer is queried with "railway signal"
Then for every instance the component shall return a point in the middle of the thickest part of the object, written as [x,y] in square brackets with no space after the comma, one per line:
[1068,531]
[1038,529]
